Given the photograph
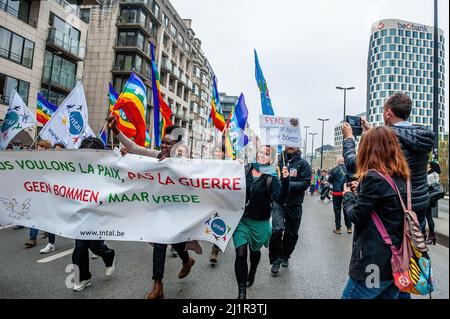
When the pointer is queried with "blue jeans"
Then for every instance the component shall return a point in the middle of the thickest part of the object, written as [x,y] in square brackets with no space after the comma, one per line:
[358,290]
[34,234]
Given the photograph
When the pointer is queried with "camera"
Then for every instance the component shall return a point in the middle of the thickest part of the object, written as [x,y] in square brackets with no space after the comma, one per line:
[355,123]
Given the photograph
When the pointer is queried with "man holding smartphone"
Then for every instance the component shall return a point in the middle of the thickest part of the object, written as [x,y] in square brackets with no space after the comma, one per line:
[416,142]
[286,219]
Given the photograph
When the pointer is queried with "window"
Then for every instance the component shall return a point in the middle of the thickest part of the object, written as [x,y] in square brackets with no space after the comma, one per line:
[64,27]
[165,20]
[130,38]
[392,31]
[127,62]
[383,33]
[388,40]
[16,48]
[173,30]
[9,84]
[62,72]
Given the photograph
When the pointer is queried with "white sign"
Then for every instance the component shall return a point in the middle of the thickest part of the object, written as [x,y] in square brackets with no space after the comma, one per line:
[276,130]
[68,124]
[101,195]
[17,118]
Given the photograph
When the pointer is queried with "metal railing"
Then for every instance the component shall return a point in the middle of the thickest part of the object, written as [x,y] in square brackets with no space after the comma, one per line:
[59,77]
[71,9]
[65,42]
[176,72]
[166,64]
[13,12]
[132,20]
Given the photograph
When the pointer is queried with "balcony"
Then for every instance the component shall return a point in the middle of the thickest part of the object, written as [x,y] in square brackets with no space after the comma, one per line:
[183,78]
[166,65]
[59,40]
[125,22]
[59,78]
[189,84]
[13,12]
[176,72]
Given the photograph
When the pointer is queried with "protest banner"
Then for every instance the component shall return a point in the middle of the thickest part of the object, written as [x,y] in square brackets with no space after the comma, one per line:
[94,194]
[276,130]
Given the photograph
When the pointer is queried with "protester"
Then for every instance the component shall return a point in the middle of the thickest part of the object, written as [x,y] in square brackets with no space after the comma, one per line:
[338,179]
[416,142]
[286,217]
[379,152]
[183,152]
[433,178]
[219,154]
[42,145]
[80,255]
[170,139]
[324,186]
[254,230]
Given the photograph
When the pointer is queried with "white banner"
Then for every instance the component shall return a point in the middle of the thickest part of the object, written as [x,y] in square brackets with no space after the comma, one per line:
[101,195]
[68,124]
[276,130]
[17,118]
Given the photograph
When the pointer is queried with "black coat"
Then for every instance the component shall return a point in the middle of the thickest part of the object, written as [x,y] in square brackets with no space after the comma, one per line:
[258,197]
[299,184]
[338,178]
[416,142]
[374,194]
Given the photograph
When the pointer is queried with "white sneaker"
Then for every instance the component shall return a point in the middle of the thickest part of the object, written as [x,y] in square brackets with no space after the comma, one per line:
[110,270]
[48,249]
[83,284]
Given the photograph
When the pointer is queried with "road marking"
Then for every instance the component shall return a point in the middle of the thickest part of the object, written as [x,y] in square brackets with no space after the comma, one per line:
[6,227]
[55,256]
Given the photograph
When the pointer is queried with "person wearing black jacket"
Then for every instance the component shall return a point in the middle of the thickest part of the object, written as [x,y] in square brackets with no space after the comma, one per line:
[415,141]
[370,263]
[338,179]
[254,230]
[286,217]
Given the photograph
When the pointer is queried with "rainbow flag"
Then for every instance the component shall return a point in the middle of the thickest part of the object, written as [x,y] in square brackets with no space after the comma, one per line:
[133,102]
[235,137]
[123,124]
[162,113]
[216,113]
[45,110]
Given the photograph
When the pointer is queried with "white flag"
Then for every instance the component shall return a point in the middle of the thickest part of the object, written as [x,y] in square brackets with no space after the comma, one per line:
[68,124]
[17,118]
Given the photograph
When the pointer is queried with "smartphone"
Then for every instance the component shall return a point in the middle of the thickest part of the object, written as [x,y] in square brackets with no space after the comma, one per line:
[355,123]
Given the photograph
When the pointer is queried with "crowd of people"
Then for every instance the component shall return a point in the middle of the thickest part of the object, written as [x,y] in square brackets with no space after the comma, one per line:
[275,190]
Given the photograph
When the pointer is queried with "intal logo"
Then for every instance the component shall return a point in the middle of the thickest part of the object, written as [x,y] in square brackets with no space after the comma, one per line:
[380,26]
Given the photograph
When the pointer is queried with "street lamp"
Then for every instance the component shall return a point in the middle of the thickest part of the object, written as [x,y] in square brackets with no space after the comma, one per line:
[345,95]
[306,138]
[321,149]
[312,147]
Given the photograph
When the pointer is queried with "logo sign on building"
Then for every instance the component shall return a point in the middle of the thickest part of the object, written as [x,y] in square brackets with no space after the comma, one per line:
[412,26]
[276,130]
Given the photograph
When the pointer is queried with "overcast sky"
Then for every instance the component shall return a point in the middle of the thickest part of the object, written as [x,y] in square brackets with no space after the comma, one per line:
[305,48]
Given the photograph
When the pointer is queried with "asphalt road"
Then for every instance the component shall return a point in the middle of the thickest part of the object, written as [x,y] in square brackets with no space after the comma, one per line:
[318,268]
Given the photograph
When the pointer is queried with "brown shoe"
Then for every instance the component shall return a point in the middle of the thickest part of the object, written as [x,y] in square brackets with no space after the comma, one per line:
[194,245]
[186,268]
[349,230]
[157,292]
[31,243]
[337,231]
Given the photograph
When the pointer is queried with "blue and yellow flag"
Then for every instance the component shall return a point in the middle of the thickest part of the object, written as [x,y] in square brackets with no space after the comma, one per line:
[266,103]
